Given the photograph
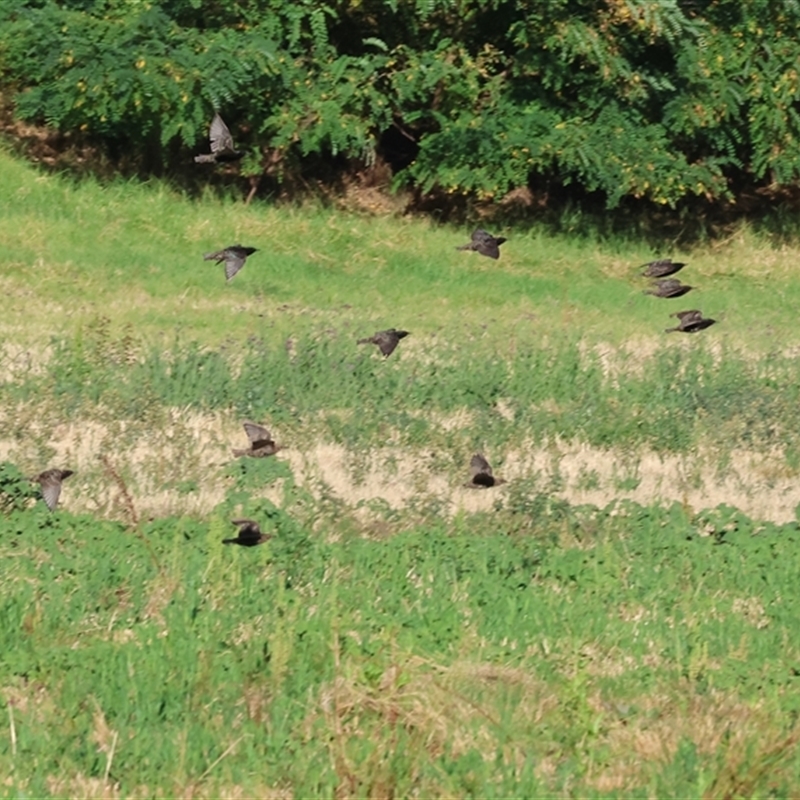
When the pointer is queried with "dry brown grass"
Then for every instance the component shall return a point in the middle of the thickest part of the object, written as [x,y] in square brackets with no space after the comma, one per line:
[742,736]
[433,708]
[182,447]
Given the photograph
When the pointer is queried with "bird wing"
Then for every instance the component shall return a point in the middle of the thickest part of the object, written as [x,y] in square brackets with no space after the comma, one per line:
[233,263]
[248,529]
[246,524]
[258,435]
[51,488]
[220,136]
[657,264]
[699,324]
[488,248]
[486,244]
[689,316]
[387,341]
[479,465]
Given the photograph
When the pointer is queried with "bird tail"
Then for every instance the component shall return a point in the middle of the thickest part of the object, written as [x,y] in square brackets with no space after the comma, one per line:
[230,541]
[206,158]
[238,453]
[672,330]
[465,247]
[364,341]
[211,256]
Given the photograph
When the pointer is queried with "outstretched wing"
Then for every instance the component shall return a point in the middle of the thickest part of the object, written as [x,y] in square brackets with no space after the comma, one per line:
[689,316]
[387,341]
[479,465]
[486,244]
[220,136]
[51,489]
[233,263]
[258,435]
[661,267]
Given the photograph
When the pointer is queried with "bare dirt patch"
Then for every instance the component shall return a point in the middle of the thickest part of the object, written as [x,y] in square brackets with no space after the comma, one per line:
[176,465]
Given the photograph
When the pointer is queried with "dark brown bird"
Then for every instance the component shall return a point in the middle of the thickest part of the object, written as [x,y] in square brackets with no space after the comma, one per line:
[261,441]
[669,287]
[50,480]
[482,476]
[222,149]
[249,534]
[233,256]
[661,268]
[387,340]
[484,243]
[691,321]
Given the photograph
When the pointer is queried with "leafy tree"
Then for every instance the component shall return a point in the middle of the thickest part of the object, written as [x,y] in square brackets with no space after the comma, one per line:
[654,99]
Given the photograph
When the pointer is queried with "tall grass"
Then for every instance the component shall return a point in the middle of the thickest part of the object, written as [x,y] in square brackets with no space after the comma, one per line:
[672,401]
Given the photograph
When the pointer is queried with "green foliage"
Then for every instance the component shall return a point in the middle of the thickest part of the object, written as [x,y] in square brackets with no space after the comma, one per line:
[15,490]
[629,99]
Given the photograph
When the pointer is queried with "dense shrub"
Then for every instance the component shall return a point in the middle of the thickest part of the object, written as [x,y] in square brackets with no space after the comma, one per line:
[652,99]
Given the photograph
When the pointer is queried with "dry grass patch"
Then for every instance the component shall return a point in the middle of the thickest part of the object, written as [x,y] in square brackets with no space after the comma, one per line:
[423,710]
[743,739]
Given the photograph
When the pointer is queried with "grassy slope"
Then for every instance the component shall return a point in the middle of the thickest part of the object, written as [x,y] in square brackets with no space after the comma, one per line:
[533,648]
[135,253]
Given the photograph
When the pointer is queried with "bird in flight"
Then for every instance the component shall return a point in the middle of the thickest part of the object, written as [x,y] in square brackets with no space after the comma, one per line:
[233,256]
[261,441]
[661,268]
[386,340]
[222,149]
[482,476]
[50,480]
[484,243]
[668,287]
[249,534]
[691,321]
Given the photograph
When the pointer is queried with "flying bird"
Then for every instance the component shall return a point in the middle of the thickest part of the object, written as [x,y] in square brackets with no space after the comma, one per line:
[261,441]
[233,256]
[387,340]
[668,287]
[484,243]
[482,476]
[661,268]
[249,534]
[691,321]
[50,480]
[222,149]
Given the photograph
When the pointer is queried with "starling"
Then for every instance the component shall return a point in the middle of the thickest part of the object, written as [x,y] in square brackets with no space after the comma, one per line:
[661,268]
[233,256]
[482,477]
[50,481]
[261,441]
[221,144]
[249,534]
[386,340]
[484,243]
[691,321]
[668,287]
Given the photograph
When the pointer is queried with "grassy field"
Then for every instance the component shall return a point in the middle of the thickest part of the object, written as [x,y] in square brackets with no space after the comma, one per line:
[619,619]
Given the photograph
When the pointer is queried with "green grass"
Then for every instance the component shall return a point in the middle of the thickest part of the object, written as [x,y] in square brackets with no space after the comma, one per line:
[547,658]
[135,252]
[509,643]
